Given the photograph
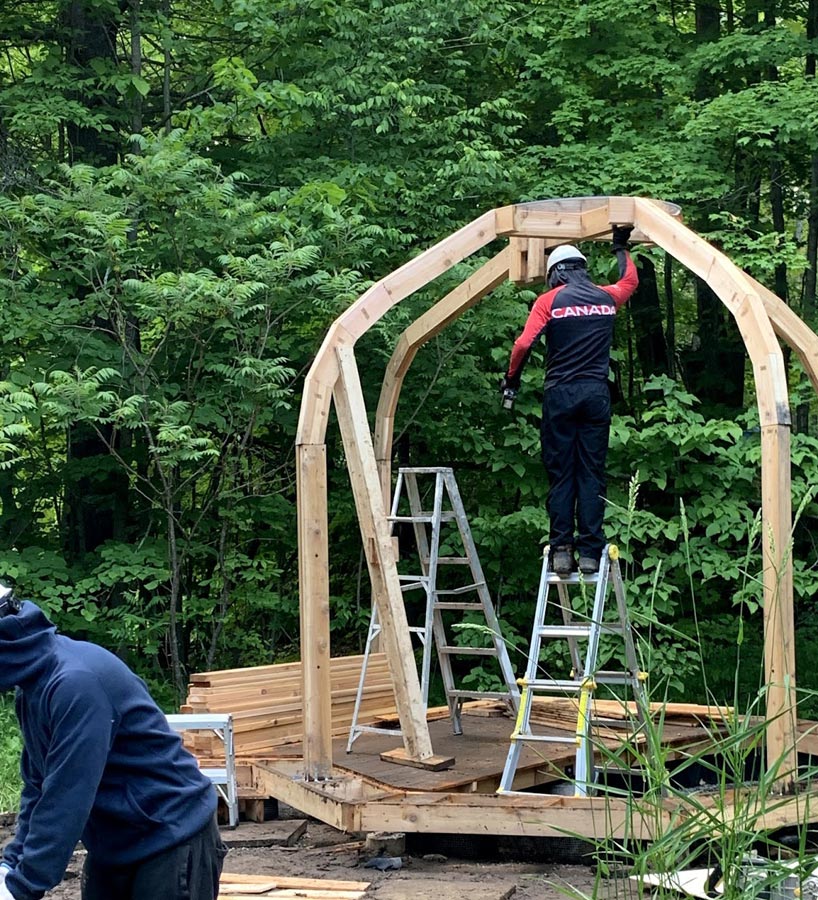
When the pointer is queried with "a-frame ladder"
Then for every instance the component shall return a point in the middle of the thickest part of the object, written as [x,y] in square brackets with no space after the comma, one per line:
[472,596]
[585,677]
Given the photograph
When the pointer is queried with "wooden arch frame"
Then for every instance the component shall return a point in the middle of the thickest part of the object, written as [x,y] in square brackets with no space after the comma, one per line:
[530,228]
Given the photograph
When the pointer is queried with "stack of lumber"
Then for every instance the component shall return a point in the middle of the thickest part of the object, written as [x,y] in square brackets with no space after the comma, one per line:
[562,712]
[246,887]
[267,707]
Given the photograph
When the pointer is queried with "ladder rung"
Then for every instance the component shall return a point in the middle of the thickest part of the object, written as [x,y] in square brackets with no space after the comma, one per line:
[445,516]
[576,630]
[483,695]
[463,589]
[556,631]
[413,577]
[467,651]
[573,578]
[614,677]
[451,561]
[555,685]
[619,770]
[413,586]
[544,738]
[372,729]
[466,607]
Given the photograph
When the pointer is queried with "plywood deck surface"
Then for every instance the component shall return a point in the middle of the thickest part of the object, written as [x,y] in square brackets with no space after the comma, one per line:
[480,754]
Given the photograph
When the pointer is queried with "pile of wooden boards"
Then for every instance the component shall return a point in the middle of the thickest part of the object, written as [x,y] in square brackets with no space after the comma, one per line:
[562,712]
[267,706]
[245,887]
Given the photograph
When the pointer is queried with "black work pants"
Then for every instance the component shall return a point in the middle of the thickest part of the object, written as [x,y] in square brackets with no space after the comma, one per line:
[188,872]
[576,419]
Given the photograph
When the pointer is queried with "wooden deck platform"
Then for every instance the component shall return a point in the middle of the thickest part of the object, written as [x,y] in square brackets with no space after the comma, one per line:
[367,793]
[480,754]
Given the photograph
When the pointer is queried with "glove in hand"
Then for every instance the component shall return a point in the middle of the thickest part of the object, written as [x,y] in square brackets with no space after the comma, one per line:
[621,236]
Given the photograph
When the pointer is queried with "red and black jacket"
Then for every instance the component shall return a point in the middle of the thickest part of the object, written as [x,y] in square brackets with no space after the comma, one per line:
[577,319]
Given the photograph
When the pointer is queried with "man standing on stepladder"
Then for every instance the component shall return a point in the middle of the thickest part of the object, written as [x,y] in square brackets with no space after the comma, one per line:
[577,318]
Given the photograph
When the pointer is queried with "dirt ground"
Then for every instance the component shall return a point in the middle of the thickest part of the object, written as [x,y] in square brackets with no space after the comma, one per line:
[431,868]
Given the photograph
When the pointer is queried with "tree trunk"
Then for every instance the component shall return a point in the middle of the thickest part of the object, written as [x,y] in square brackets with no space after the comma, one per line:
[670,328]
[90,35]
[714,367]
[646,311]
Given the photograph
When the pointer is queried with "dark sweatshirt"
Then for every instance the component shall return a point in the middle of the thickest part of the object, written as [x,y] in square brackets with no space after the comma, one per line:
[99,760]
[577,319]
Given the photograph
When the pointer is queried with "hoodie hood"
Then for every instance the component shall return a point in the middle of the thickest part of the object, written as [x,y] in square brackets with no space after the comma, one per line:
[25,642]
[567,276]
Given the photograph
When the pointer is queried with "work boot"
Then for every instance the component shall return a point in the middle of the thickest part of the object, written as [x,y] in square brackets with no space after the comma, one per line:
[562,560]
[588,565]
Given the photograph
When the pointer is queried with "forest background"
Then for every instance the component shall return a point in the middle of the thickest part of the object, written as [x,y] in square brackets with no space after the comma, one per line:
[192,190]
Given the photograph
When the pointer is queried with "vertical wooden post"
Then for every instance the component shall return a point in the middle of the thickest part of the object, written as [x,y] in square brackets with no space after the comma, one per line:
[313,585]
[736,291]
[779,626]
[380,557]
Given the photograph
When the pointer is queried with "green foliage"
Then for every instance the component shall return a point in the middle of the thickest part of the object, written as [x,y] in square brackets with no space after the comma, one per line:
[11,746]
[178,230]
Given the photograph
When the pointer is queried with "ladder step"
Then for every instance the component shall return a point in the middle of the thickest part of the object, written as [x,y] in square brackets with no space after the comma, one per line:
[544,738]
[446,516]
[466,607]
[467,651]
[463,589]
[413,586]
[424,470]
[573,578]
[479,695]
[450,561]
[562,631]
[556,686]
[371,729]
[614,677]
[556,631]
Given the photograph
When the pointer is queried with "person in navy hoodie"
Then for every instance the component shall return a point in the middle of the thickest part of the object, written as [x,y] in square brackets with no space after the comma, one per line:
[101,765]
[577,318]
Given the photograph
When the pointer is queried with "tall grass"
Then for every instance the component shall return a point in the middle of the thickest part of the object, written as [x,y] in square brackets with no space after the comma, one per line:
[716,805]
[11,745]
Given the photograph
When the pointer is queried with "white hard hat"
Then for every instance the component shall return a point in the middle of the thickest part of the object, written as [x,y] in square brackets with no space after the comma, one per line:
[561,254]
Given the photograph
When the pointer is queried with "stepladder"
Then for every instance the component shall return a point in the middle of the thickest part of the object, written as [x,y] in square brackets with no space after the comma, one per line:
[582,624]
[450,595]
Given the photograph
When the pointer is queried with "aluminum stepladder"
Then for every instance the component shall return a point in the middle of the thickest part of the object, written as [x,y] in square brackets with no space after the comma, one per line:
[427,529]
[585,676]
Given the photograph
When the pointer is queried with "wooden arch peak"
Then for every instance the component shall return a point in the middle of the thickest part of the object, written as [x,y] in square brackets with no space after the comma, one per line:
[529,229]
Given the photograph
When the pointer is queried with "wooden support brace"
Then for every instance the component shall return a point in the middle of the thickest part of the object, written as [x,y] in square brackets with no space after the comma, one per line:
[518,263]
[386,589]
[536,259]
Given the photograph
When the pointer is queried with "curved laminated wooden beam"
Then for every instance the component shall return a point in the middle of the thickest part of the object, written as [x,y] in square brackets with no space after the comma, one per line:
[791,329]
[530,227]
[370,307]
[321,383]
[740,296]
[489,276]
